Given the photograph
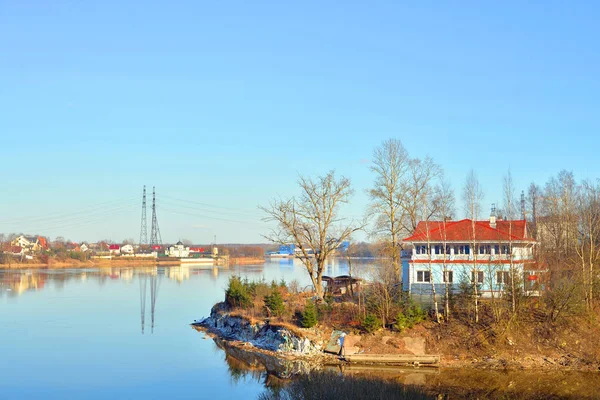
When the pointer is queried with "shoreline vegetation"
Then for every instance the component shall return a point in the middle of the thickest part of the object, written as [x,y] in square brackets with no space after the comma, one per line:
[281,321]
[268,325]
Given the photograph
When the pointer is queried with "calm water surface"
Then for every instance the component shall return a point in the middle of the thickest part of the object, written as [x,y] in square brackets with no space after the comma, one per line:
[77,333]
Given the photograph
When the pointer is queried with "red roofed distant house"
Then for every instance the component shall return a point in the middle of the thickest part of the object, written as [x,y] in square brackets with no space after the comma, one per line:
[30,244]
[479,252]
[114,249]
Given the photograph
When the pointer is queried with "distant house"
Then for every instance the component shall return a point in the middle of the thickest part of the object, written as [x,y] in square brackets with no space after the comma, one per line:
[30,243]
[127,249]
[14,250]
[480,252]
[178,250]
[114,249]
[83,248]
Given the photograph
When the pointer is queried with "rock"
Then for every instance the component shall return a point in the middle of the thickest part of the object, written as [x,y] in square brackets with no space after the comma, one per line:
[260,335]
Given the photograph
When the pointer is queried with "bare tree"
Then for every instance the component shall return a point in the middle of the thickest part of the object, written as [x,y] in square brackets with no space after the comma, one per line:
[472,196]
[445,208]
[418,186]
[401,183]
[430,251]
[390,164]
[311,222]
[509,207]
[588,243]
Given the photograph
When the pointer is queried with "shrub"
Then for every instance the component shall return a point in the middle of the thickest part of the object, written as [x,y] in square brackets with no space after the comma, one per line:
[309,316]
[413,314]
[371,323]
[274,303]
[237,294]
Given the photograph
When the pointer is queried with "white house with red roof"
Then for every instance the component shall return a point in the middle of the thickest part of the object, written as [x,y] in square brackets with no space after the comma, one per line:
[479,252]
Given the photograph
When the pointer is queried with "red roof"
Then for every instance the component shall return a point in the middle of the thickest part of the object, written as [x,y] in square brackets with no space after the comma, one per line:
[42,241]
[14,249]
[462,231]
[114,247]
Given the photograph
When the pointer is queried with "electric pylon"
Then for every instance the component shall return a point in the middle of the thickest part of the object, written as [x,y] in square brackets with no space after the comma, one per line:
[154,232]
[144,226]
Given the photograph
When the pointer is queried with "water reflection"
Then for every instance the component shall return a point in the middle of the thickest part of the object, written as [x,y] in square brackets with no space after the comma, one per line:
[86,322]
[154,285]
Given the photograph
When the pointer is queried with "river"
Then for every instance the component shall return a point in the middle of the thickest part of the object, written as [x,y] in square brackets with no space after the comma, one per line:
[124,333]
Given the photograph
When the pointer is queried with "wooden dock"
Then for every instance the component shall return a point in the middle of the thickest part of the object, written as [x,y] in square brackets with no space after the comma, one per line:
[393,359]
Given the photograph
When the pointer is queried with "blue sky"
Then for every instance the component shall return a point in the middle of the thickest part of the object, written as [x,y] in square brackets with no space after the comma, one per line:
[223,104]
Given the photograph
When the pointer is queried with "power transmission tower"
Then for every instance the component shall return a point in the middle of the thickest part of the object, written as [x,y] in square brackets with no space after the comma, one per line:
[154,232]
[144,227]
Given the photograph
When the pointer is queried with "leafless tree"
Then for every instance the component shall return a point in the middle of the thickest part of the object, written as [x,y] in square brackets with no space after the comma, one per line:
[418,186]
[445,207]
[311,222]
[401,183]
[509,207]
[430,252]
[472,197]
[390,165]
[588,241]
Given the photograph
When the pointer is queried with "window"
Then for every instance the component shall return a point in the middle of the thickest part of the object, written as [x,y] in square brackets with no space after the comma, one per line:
[496,249]
[502,277]
[423,276]
[462,249]
[504,249]
[485,249]
[439,249]
[421,249]
[478,274]
[448,276]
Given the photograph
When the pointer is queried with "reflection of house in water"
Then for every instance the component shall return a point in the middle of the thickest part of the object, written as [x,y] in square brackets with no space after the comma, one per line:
[16,283]
[179,274]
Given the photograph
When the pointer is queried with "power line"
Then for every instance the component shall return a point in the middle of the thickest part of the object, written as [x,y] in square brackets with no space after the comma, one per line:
[172,204]
[206,204]
[208,216]
[62,215]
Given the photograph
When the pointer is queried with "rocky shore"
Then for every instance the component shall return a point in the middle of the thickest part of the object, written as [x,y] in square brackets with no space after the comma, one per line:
[282,351]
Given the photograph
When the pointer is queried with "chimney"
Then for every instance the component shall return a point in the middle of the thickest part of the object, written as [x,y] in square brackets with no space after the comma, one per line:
[493,216]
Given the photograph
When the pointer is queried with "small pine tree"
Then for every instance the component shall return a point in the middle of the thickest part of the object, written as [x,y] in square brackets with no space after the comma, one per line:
[274,303]
[371,323]
[309,316]
[237,294]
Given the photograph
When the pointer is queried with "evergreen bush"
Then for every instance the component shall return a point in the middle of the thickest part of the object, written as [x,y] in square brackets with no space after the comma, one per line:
[237,294]
[371,323]
[274,303]
[309,316]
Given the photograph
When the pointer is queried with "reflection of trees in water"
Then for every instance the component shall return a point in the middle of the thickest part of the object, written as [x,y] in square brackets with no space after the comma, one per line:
[242,371]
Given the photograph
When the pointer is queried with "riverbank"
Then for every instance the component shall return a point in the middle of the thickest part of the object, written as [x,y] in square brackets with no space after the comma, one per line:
[118,262]
[235,330]
[51,264]
[246,260]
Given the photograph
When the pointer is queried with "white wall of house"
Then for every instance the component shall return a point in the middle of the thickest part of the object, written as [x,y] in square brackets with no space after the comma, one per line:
[127,249]
[178,250]
[417,277]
